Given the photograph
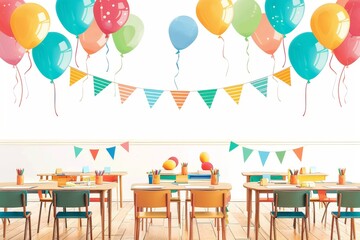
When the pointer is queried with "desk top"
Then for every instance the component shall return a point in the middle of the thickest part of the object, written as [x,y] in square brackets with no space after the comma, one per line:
[318,186]
[181,186]
[264,173]
[81,174]
[52,185]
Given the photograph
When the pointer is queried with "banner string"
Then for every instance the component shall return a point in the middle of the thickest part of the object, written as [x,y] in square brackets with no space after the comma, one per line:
[342,72]
[17,81]
[87,77]
[54,98]
[248,55]
[21,84]
[121,66]
[306,97]
[27,89]
[178,69]
[223,55]
[283,43]
[76,50]
[107,60]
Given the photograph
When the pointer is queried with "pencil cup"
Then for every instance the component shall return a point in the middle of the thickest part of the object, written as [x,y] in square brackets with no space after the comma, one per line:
[20,179]
[214,180]
[184,171]
[99,180]
[342,180]
[293,179]
[156,179]
[150,178]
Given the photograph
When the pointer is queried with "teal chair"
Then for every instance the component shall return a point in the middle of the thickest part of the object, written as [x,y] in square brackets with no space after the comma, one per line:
[15,199]
[72,199]
[290,199]
[346,199]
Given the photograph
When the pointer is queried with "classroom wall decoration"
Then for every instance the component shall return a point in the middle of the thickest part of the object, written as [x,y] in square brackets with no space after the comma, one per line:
[94,151]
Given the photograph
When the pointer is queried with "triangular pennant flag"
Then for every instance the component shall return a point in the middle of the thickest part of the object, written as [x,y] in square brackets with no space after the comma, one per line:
[208,96]
[152,96]
[77,151]
[125,145]
[180,97]
[246,153]
[263,156]
[100,84]
[111,151]
[299,152]
[234,92]
[75,75]
[261,85]
[281,155]
[125,91]
[94,153]
[284,75]
[233,146]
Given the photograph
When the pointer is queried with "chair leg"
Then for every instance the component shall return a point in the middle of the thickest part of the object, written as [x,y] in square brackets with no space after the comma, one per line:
[49,213]
[169,227]
[313,212]
[26,226]
[271,226]
[302,229]
[218,228]
[54,228]
[191,227]
[64,209]
[58,228]
[91,233]
[38,228]
[337,227]
[306,230]
[87,229]
[274,226]
[30,227]
[223,227]
[332,227]
[4,227]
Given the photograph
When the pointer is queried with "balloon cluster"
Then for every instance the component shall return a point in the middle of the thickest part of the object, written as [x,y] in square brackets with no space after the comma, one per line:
[171,163]
[205,161]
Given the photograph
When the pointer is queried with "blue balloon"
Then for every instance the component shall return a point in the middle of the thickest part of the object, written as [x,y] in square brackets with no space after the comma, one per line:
[284,15]
[53,55]
[75,16]
[183,31]
[307,56]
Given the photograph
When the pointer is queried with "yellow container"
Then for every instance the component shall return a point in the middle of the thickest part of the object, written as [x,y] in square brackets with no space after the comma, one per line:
[156,179]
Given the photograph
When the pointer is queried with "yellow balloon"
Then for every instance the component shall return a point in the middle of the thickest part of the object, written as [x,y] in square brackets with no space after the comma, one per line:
[204,157]
[330,24]
[215,15]
[30,23]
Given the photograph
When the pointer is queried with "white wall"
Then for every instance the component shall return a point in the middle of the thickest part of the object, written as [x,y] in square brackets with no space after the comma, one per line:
[32,136]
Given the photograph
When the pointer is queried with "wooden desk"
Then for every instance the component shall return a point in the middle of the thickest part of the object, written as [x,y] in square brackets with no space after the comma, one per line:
[48,176]
[103,189]
[254,186]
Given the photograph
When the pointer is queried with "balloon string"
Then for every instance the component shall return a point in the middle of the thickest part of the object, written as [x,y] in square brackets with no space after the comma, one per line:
[17,81]
[342,72]
[305,97]
[178,69]
[76,50]
[223,54]
[248,55]
[283,41]
[21,84]
[107,60]
[273,72]
[121,66]
[346,88]
[87,76]
[28,53]
[54,98]
[332,55]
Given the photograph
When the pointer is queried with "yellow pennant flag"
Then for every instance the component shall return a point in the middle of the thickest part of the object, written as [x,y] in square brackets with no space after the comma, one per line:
[234,92]
[75,75]
[284,75]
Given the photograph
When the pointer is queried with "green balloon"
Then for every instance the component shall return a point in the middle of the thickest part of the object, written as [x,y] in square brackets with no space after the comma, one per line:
[247,16]
[128,36]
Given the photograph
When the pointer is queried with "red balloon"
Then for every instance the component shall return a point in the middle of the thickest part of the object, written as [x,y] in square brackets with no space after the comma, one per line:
[353,9]
[174,159]
[10,50]
[206,166]
[111,15]
[7,7]
[348,51]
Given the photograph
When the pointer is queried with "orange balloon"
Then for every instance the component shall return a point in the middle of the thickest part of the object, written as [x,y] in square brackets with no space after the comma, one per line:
[215,15]
[30,23]
[204,157]
[93,39]
[330,24]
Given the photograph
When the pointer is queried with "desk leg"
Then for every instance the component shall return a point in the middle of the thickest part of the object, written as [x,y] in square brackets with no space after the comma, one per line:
[102,212]
[109,198]
[257,211]
[249,209]
[120,192]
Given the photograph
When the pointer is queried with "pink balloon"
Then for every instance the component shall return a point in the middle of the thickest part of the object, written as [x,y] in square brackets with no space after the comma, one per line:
[265,36]
[10,50]
[348,51]
[353,8]
[93,39]
[7,7]
[342,2]
[111,15]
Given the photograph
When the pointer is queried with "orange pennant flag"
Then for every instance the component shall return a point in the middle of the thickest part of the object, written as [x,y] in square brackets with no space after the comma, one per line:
[299,152]
[125,145]
[284,75]
[180,97]
[75,75]
[94,153]
[125,91]
[234,92]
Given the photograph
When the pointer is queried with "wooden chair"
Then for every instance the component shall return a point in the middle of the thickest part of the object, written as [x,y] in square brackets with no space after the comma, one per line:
[72,199]
[15,199]
[346,199]
[322,198]
[152,199]
[290,199]
[44,197]
[215,204]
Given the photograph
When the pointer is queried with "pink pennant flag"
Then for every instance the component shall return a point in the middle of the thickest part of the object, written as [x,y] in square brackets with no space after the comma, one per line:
[125,145]
[94,153]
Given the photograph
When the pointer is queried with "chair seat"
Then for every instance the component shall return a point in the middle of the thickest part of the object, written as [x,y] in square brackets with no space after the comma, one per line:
[72,214]
[152,215]
[208,215]
[13,214]
[347,214]
[289,214]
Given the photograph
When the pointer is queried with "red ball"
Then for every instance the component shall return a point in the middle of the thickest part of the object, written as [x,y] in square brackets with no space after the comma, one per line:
[206,166]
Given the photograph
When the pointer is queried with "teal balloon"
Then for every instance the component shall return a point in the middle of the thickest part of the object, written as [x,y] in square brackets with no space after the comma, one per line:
[53,55]
[183,31]
[307,56]
[76,16]
[284,15]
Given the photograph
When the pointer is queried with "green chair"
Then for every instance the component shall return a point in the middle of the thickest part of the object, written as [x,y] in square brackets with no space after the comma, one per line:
[290,199]
[346,199]
[72,199]
[15,199]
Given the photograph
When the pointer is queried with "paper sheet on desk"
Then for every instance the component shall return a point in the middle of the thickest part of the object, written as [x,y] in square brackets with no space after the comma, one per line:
[281,187]
[148,187]
[198,187]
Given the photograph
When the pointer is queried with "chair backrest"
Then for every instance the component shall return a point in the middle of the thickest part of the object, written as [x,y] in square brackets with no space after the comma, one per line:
[350,199]
[152,198]
[71,198]
[13,199]
[208,199]
[291,198]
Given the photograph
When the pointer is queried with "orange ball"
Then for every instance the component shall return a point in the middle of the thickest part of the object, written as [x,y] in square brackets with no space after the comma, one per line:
[204,157]
[169,164]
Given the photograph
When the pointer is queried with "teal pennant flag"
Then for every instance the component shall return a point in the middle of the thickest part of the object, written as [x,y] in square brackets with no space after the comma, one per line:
[261,85]
[77,151]
[152,96]
[246,153]
[100,84]
[281,155]
[111,151]
[208,96]
[233,146]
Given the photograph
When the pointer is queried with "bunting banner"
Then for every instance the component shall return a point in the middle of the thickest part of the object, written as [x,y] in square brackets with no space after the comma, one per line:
[207,95]
[94,152]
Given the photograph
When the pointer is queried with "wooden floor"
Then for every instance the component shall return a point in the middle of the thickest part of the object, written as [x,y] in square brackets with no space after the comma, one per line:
[123,225]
